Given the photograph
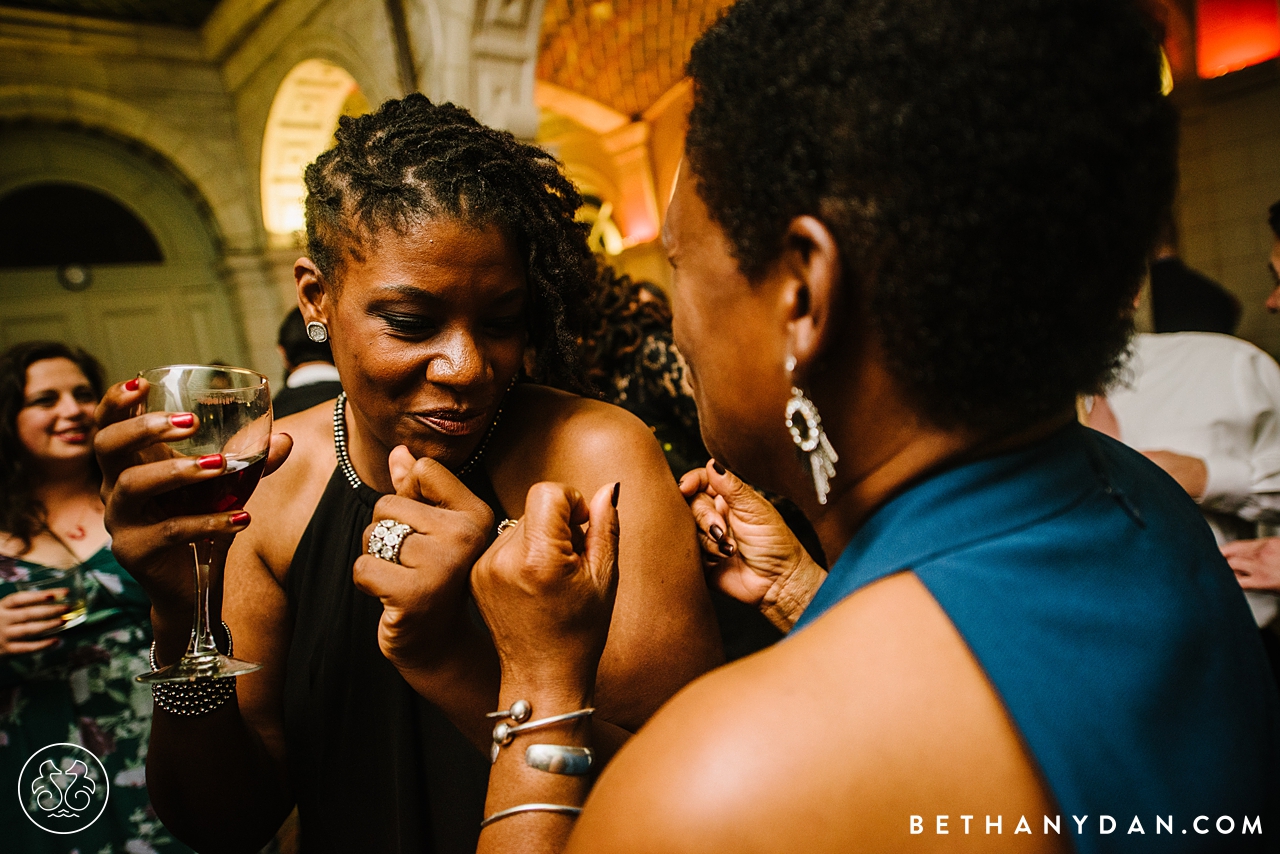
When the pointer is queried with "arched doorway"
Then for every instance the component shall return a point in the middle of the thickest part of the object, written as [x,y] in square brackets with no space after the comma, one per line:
[159,299]
[300,126]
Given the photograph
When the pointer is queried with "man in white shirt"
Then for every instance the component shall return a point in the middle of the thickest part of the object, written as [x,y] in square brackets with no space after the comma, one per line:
[1206,408]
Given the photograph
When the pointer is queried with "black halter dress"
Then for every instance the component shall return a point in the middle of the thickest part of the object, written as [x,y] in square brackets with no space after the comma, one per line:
[375,768]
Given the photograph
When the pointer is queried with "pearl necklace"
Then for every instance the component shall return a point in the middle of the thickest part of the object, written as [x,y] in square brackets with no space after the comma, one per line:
[344,459]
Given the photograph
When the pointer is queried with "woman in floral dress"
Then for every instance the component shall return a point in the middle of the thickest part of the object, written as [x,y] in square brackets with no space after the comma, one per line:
[74,686]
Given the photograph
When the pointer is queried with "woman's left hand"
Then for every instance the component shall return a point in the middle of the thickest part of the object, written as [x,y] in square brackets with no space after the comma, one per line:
[546,589]
[424,595]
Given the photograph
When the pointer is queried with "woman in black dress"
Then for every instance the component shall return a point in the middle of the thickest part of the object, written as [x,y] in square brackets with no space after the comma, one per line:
[443,259]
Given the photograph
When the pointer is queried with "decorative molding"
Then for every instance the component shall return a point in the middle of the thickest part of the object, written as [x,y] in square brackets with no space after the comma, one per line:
[504,52]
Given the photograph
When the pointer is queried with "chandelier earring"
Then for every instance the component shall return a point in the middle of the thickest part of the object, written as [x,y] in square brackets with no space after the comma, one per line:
[317,332]
[805,425]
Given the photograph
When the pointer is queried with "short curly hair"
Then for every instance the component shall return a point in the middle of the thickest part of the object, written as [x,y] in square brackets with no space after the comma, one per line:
[993,172]
[413,160]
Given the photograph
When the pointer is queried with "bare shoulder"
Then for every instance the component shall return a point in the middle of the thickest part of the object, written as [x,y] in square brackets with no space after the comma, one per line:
[828,742]
[663,632]
[550,435]
[283,503]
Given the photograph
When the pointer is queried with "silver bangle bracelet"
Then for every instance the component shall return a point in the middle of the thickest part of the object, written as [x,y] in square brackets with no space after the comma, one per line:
[563,809]
[503,732]
[560,759]
[192,699]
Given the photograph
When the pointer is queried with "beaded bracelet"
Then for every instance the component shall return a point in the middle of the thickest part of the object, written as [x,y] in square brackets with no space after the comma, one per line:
[192,699]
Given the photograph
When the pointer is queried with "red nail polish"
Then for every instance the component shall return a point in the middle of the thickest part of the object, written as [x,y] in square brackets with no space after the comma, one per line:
[212,461]
[719,468]
[131,385]
[239,518]
[617,487]
[183,419]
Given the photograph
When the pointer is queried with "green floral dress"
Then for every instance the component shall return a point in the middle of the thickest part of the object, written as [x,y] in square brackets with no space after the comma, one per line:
[83,692]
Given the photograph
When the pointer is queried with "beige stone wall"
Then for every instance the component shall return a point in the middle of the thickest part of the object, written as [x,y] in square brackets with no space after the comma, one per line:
[1230,175]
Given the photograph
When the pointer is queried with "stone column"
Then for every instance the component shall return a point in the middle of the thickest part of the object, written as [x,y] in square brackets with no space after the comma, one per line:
[257,299]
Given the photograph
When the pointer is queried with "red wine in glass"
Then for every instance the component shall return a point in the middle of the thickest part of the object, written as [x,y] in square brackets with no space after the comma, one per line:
[232,407]
[221,494]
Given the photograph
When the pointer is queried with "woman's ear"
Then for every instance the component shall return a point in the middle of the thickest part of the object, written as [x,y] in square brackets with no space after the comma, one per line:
[811,262]
[313,296]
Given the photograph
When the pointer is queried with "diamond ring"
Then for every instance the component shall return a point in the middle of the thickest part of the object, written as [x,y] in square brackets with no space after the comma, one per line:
[386,538]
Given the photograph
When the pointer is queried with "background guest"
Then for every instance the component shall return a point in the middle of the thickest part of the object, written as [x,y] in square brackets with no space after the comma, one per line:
[76,685]
[310,377]
[1186,300]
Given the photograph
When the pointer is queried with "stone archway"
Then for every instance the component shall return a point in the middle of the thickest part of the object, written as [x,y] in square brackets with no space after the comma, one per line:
[209,168]
[131,315]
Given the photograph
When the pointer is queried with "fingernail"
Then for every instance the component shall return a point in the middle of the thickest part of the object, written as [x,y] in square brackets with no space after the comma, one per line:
[182,419]
[239,518]
[715,464]
[727,549]
[132,385]
[617,487]
[212,461]
[717,533]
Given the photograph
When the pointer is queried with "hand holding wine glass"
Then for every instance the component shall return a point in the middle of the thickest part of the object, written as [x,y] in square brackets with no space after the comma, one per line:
[177,442]
[231,408]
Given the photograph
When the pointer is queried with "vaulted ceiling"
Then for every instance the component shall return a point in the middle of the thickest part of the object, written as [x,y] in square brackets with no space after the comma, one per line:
[622,53]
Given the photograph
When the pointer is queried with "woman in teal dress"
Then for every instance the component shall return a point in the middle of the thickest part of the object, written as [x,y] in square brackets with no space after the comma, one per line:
[74,686]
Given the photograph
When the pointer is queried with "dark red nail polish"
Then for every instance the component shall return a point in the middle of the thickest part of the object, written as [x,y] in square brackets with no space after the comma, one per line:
[212,461]
[727,549]
[717,533]
[617,487]
[183,419]
[239,518]
[131,385]
[716,465]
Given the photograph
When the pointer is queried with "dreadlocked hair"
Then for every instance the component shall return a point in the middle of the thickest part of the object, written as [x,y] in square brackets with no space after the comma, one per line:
[622,314]
[412,161]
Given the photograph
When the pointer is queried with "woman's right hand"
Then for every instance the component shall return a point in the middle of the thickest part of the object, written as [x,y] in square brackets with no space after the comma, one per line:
[747,549]
[26,614]
[137,466]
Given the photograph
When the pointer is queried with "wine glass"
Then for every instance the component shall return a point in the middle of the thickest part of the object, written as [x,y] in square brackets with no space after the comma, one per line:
[233,414]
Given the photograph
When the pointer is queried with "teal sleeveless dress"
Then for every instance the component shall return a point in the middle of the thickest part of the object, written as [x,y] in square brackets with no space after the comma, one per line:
[83,692]
[1090,590]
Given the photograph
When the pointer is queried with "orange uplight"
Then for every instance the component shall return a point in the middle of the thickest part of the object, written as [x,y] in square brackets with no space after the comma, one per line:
[1234,34]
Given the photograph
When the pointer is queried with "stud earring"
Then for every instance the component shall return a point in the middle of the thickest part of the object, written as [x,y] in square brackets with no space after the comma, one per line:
[317,332]
[811,440]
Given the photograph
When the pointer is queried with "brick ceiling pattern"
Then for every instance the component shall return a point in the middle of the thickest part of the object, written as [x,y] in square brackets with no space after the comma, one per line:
[623,53]
[183,13]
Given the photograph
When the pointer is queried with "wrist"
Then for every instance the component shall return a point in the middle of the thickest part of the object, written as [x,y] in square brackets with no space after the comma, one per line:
[546,698]
[792,593]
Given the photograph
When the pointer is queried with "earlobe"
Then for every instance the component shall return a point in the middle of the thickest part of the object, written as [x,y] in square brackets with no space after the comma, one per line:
[312,293]
[812,262]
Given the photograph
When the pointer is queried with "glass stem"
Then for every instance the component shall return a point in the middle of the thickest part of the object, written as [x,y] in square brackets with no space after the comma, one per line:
[202,644]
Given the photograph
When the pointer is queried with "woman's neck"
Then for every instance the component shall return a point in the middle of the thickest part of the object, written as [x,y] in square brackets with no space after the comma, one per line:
[61,484]
[366,453]
[905,457]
